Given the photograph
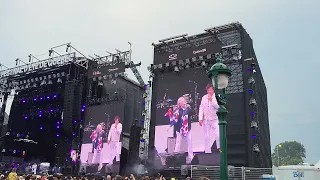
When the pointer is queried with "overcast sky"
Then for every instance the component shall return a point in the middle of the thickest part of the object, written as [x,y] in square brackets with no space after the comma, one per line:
[285,34]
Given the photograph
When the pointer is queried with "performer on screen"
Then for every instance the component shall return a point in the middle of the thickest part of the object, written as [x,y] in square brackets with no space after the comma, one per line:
[208,119]
[114,140]
[97,137]
[180,117]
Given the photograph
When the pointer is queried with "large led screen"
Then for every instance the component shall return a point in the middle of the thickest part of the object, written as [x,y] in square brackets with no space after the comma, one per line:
[102,137]
[187,130]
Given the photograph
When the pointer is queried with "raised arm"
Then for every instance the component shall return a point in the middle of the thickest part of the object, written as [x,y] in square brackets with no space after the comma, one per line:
[201,110]
[215,102]
[109,134]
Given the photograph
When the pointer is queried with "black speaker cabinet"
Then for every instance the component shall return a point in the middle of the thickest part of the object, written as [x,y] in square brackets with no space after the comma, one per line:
[212,159]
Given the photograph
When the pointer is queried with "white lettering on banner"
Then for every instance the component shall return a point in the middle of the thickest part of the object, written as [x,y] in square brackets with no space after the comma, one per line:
[199,51]
[115,69]
[56,61]
[173,57]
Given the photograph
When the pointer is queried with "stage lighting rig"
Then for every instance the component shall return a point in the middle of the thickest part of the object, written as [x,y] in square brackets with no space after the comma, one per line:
[18,61]
[31,57]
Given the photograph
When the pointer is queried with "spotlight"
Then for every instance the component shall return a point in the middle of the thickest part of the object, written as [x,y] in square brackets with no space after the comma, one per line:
[100,83]
[43,83]
[23,101]
[113,81]
[203,64]
[34,85]
[187,66]
[58,127]
[254,71]
[41,98]
[82,110]
[57,135]
[48,97]
[256,148]
[50,82]
[41,127]
[59,80]
[176,69]
[254,124]
[50,52]
[25,117]
[55,96]
[3,150]
[252,102]
[251,80]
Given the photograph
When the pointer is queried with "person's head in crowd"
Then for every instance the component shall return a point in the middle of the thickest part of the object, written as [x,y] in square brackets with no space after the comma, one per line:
[108,177]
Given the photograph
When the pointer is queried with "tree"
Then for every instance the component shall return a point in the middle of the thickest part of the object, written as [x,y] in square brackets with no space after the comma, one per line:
[290,153]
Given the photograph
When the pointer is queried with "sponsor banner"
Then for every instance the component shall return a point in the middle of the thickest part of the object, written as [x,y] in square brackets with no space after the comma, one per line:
[55,61]
[187,53]
[106,70]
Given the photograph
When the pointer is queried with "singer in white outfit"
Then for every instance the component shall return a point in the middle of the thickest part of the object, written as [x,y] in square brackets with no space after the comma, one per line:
[114,140]
[34,168]
[208,119]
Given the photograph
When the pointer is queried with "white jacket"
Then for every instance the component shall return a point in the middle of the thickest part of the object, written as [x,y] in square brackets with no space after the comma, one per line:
[208,109]
[115,133]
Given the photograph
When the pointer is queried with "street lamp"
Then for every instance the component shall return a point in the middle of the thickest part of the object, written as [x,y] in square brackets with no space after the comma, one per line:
[278,146]
[219,74]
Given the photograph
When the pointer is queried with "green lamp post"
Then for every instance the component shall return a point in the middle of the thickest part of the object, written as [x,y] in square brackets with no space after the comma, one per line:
[219,73]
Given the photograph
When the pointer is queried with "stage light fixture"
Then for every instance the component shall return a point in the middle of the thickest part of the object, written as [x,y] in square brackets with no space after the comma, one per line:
[187,66]
[25,117]
[48,97]
[57,135]
[100,83]
[251,80]
[41,127]
[14,151]
[176,69]
[34,85]
[254,71]
[8,134]
[50,81]
[3,150]
[82,110]
[41,98]
[58,127]
[253,102]
[43,82]
[113,81]
[50,52]
[55,96]
[59,80]
[203,64]
[254,124]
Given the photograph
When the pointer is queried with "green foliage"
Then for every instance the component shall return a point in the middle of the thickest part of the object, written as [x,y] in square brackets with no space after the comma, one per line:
[290,153]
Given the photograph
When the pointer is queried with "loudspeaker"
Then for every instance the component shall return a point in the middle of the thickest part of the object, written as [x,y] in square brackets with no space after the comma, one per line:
[173,159]
[91,168]
[212,159]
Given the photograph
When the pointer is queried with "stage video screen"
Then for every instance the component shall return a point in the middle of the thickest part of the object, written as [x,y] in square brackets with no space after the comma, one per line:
[102,138]
[187,130]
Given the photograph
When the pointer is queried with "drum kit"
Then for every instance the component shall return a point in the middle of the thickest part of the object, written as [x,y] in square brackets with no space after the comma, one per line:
[105,126]
[167,102]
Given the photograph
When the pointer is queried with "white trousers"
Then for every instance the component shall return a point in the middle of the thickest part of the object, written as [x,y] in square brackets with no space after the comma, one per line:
[179,139]
[34,170]
[211,134]
[97,157]
[114,151]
